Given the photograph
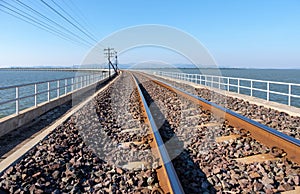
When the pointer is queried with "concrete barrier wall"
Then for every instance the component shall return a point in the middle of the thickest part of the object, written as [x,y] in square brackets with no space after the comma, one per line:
[12,122]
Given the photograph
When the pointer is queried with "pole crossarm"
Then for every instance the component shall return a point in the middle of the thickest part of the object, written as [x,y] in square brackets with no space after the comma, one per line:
[110,53]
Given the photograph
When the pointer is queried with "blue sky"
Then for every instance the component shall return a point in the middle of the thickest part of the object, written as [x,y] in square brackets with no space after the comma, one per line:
[238,33]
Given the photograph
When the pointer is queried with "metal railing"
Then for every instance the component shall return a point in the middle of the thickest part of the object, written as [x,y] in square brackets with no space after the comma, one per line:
[281,92]
[31,95]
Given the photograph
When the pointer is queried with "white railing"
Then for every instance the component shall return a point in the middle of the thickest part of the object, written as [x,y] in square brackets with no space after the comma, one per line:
[19,97]
[285,93]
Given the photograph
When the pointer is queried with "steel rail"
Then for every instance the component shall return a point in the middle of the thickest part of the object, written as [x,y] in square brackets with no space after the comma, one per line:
[173,181]
[266,135]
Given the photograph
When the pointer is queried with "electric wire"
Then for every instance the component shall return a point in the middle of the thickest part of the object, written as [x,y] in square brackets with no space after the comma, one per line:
[50,25]
[50,20]
[70,22]
[70,16]
[39,22]
[42,28]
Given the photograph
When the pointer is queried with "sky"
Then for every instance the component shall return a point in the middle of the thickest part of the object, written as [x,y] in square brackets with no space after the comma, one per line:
[236,33]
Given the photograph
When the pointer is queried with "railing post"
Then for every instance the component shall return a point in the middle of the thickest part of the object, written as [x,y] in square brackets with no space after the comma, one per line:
[48,90]
[77,82]
[57,88]
[72,84]
[205,77]
[290,93]
[251,87]
[219,82]
[228,84]
[238,85]
[17,100]
[211,82]
[35,95]
[268,91]
[66,83]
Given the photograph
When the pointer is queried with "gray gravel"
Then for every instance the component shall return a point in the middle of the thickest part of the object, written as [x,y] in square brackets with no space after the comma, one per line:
[79,156]
[207,166]
[278,120]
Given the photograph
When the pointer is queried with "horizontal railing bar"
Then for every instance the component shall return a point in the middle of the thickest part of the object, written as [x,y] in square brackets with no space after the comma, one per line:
[63,86]
[242,79]
[8,101]
[295,96]
[28,84]
[220,82]
[97,78]
[256,80]
[45,91]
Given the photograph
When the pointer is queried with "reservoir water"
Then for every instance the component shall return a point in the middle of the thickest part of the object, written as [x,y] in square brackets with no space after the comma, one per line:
[10,78]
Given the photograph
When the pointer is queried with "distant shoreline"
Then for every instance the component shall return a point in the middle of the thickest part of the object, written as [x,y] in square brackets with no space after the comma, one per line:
[76,68]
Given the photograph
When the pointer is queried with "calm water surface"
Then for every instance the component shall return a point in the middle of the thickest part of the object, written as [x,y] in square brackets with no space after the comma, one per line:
[11,78]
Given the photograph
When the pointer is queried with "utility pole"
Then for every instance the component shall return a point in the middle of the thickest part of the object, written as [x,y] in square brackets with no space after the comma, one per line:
[109,52]
[116,62]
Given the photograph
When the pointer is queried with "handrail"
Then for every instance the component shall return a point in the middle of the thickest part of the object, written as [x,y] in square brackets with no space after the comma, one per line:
[229,83]
[62,86]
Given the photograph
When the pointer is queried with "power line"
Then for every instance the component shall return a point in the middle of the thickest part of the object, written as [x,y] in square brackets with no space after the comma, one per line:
[42,28]
[34,21]
[41,23]
[63,10]
[84,28]
[57,12]
[73,8]
[98,45]
[50,20]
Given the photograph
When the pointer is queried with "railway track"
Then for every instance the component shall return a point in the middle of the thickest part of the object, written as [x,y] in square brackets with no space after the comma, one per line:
[235,153]
[110,145]
[140,135]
